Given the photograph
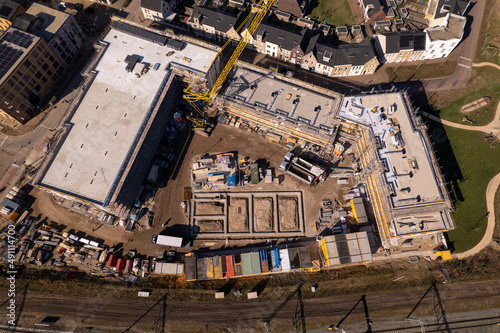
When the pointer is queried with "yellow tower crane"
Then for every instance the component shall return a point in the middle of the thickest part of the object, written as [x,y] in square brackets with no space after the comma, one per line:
[192,95]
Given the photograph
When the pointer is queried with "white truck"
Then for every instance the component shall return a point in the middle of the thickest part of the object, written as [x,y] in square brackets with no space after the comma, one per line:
[167,240]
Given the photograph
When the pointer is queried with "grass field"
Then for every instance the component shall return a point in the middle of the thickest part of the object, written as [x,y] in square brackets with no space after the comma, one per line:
[496,233]
[483,82]
[488,48]
[336,12]
[468,163]
[421,71]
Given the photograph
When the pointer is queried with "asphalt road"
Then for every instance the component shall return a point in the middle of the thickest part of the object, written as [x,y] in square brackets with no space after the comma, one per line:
[75,313]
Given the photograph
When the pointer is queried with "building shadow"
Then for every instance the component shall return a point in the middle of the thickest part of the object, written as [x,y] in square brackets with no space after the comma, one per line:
[182,155]
[442,148]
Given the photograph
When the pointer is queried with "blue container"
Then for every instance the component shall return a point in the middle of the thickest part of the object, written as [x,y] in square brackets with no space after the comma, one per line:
[231,180]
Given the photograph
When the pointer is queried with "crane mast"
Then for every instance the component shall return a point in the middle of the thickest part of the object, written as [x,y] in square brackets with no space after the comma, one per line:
[192,95]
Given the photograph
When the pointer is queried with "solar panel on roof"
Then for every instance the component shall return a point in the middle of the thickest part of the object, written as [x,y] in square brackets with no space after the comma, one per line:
[419,42]
[18,38]
[404,41]
[9,56]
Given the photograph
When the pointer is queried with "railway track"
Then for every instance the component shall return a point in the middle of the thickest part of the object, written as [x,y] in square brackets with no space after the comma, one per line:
[446,327]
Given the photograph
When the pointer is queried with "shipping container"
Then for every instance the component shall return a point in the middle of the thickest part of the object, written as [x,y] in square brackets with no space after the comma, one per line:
[111,261]
[229,266]
[231,180]
[246,263]
[254,169]
[255,258]
[264,264]
[128,266]
[285,260]
[190,267]
[120,264]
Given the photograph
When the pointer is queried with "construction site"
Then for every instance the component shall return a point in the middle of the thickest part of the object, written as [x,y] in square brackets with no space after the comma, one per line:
[287,108]
[277,162]
[247,214]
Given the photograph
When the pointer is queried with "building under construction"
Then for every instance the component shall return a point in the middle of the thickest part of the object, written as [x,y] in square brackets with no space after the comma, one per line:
[405,187]
[129,96]
[284,106]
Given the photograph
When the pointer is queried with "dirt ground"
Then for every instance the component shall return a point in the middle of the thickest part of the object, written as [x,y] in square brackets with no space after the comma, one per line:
[288,213]
[168,199]
[210,225]
[209,208]
[264,217]
[48,211]
[238,215]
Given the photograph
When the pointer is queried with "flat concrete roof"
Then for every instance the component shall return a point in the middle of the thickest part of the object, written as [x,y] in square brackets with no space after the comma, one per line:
[454,29]
[431,222]
[110,115]
[52,19]
[410,167]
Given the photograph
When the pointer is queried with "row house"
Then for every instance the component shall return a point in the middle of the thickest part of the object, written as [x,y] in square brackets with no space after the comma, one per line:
[441,40]
[292,8]
[341,60]
[280,43]
[401,46]
[431,43]
[303,48]
[214,24]
[437,15]
[158,10]
[376,10]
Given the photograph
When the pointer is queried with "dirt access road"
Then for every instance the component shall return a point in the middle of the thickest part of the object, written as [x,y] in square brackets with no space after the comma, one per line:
[246,316]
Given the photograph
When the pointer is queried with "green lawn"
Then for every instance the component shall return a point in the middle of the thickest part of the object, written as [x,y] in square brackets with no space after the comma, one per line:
[468,164]
[422,71]
[485,114]
[488,49]
[483,82]
[337,12]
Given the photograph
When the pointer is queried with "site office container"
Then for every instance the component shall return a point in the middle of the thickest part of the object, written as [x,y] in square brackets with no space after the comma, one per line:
[111,261]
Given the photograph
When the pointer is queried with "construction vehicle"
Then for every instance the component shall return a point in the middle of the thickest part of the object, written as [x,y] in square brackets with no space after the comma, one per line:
[200,121]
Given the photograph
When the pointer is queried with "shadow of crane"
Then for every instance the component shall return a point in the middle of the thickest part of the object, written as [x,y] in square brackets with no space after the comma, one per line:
[438,309]
[159,324]
[367,314]
[300,318]
[267,321]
